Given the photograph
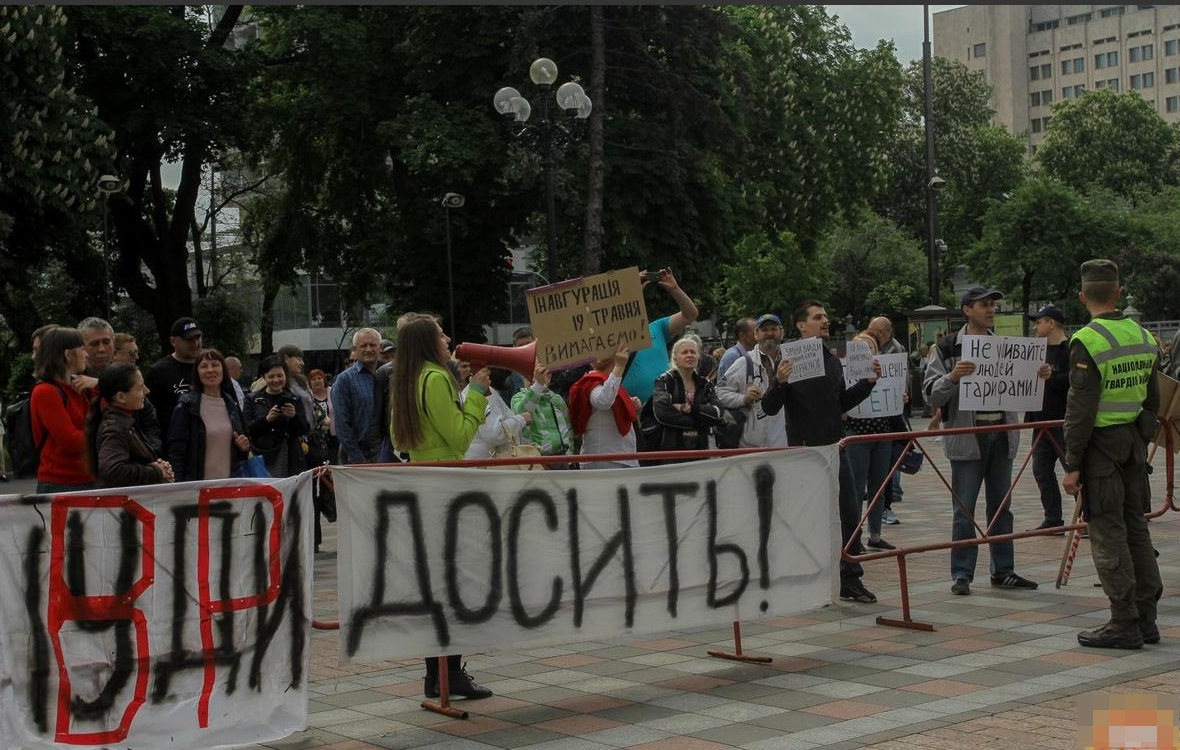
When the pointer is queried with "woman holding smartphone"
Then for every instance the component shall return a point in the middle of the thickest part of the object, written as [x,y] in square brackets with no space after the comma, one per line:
[277,427]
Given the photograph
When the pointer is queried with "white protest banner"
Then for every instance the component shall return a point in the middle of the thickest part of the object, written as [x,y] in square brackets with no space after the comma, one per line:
[886,400]
[586,319]
[806,357]
[1005,377]
[168,616]
[858,361]
[444,561]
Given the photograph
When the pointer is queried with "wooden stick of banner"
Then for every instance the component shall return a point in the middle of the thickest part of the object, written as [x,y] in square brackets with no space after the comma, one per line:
[444,691]
[1072,542]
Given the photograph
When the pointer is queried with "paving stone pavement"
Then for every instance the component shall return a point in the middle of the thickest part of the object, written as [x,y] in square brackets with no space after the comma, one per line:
[1001,669]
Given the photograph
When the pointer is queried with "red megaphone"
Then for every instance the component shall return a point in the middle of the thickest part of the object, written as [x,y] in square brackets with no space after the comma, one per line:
[522,359]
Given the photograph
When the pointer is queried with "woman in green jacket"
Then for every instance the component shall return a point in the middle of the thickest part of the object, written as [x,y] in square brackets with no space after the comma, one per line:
[432,424]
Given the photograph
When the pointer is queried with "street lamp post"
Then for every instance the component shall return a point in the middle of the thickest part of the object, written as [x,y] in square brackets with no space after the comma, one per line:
[108,185]
[451,200]
[933,181]
[546,133]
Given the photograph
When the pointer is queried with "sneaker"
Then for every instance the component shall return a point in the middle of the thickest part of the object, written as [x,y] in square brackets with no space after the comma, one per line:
[855,591]
[880,544]
[961,587]
[1012,581]
[461,683]
[890,517]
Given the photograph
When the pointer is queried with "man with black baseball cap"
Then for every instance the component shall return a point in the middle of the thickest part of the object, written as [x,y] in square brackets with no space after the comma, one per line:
[979,458]
[172,376]
[1050,325]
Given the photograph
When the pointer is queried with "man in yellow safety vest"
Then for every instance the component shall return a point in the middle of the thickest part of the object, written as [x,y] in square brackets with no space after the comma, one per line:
[1109,417]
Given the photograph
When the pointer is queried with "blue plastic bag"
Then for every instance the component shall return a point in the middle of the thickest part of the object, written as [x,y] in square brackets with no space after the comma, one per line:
[253,467]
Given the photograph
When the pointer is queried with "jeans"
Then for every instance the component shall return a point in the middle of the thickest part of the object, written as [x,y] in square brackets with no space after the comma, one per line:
[994,467]
[1044,469]
[52,488]
[849,518]
[870,466]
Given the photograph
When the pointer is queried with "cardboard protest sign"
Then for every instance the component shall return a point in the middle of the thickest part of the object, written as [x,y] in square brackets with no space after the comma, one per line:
[1005,377]
[887,398]
[586,319]
[438,561]
[806,357]
[169,616]
[858,360]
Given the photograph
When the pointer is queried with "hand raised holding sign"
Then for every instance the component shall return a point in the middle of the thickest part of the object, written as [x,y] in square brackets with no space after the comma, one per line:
[541,374]
[621,356]
[1045,372]
[876,371]
[783,373]
[962,369]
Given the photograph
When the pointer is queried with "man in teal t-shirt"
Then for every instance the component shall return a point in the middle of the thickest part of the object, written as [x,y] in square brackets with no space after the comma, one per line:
[648,364]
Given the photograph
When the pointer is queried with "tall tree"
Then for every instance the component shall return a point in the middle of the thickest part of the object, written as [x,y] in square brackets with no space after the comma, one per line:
[1112,140]
[882,271]
[596,161]
[172,86]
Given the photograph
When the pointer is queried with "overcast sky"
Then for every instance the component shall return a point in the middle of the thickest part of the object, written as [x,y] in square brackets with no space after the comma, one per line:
[901,23]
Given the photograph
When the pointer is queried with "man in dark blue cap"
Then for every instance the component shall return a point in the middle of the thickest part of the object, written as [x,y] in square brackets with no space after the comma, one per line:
[1050,325]
[977,459]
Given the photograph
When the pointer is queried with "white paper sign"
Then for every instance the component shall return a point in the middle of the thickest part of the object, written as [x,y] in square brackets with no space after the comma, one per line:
[886,400]
[170,616]
[1005,377]
[443,561]
[858,361]
[806,357]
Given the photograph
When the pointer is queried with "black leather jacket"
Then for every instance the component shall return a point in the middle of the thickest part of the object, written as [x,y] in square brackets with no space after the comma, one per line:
[679,430]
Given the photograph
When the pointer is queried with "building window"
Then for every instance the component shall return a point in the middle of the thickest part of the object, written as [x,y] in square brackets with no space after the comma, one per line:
[1034,99]
[980,50]
[1034,73]
[1135,82]
[1113,83]
[1100,61]
[1172,75]
[1067,92]
[1047,97]
[1117,10]
[1047,71]
[1066,67]
[1036,125]
[1172,104]
[1148,52]
[1148,80]
[1134,53]
[1079,65]
[1079,89]
[1112,59]
[1170,47]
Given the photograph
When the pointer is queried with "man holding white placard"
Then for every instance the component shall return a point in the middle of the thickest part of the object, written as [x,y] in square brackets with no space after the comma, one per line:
[978,458]
[814,403]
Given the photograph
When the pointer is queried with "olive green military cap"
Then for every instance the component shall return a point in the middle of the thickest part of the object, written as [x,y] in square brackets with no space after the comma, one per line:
[1100,269]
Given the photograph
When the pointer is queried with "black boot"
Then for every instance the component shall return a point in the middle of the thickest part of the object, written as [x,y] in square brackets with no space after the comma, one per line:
[1150,631]
[1112,635]
[430,686]
[462,684]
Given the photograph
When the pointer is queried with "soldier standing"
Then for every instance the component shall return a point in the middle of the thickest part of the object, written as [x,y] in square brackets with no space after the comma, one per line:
[1113,397]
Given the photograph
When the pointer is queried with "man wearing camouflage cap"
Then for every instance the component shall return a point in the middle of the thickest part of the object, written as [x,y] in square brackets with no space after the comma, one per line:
[1109,416]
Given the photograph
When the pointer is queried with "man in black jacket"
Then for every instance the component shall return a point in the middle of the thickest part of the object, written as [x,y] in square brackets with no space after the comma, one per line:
[814,407]
[1050,325]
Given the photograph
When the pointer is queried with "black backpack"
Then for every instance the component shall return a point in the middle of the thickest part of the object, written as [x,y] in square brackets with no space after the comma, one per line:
[729,435]
[18,435]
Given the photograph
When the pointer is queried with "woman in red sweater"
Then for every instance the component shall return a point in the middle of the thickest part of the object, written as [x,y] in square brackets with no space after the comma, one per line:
[58,413]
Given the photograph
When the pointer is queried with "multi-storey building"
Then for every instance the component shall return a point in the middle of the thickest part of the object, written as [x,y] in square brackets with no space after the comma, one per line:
[1035,55]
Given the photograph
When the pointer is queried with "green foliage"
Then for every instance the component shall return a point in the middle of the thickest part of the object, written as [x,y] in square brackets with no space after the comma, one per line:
[978,160]
[20,376]
[223,316]
[1149,264]
[878,270]
[768,276]
[1111,140]
[1034,242]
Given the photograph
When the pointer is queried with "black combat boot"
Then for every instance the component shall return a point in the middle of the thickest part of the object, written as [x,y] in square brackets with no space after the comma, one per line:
[1113,635]
[1150,631]
[462,684]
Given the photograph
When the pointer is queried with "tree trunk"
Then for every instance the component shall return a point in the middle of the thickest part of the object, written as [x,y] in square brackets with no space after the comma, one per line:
[1026,291]
[270,291]
[596,177]
[198,261]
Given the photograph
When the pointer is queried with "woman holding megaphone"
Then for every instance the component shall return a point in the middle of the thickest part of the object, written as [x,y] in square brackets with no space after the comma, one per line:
[432,424]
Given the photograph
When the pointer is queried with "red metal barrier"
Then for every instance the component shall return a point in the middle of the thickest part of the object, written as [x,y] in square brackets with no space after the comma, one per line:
[984,535]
